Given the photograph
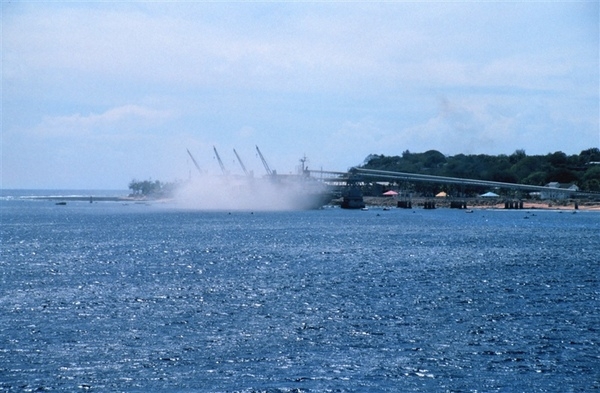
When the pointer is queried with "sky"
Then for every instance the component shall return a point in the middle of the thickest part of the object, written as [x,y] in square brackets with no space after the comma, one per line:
[96,94]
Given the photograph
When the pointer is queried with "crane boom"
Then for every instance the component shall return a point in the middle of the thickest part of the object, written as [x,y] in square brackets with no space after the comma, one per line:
[220,162]
[194,161]
[241,163]
[269,171]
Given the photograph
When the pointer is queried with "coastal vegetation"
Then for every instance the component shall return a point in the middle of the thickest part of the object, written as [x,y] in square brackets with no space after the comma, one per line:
[149,188]
[581,169]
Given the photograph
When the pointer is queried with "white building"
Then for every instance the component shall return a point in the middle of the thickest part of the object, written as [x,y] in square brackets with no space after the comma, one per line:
[558,190]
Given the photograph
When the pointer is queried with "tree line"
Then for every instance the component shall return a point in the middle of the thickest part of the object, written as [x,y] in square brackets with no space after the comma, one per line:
[149,188]
[582,169]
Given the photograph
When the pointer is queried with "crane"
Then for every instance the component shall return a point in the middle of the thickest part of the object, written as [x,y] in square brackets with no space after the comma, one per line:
[269,171]
[194,161]
[220,162]
[241,163]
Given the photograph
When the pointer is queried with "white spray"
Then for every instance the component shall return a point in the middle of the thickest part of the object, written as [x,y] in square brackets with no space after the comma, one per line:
[209,192]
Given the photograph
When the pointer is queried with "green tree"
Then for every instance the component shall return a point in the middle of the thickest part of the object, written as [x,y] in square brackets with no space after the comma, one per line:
[516,168]
[557,159]
[517,156]
[535,179]
[590,181]
[589,155]
[432,159]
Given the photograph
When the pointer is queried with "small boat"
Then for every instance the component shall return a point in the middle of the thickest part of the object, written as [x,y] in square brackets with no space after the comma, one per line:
[61,203]
[469,211]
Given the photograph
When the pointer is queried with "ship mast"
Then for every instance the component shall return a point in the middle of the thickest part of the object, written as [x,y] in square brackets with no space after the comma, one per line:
[303,161]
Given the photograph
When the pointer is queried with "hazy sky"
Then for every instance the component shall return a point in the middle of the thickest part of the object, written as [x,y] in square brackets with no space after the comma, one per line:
[96,94]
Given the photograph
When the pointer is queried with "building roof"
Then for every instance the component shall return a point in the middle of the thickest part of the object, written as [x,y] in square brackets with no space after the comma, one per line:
[564,186]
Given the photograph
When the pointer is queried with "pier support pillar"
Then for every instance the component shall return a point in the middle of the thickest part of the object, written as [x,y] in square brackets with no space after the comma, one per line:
[513,204]
[429,205]
[405,204]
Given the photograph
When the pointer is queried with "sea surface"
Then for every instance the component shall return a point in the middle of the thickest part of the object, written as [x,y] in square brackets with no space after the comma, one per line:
[114,297]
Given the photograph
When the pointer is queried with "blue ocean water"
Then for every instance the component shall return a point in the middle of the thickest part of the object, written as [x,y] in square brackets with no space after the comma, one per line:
[137,298]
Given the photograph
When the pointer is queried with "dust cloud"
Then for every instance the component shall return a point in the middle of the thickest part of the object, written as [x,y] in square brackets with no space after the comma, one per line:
[250,194]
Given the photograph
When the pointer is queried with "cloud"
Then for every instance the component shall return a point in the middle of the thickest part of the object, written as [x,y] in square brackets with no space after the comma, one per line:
[483,125]
[246,132]
[308,48]
[123,118]
[134,84]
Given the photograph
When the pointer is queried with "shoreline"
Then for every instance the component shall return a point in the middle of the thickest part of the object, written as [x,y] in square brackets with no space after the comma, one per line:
[83,198]
[496,204]
[539,206]
[384,202]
